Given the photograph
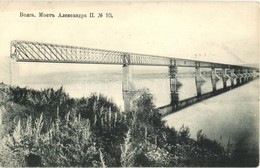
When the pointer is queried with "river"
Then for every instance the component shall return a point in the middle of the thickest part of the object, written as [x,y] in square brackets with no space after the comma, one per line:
[83,82]
[232,115]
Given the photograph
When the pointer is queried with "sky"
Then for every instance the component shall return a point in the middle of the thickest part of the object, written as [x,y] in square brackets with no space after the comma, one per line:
[225,32]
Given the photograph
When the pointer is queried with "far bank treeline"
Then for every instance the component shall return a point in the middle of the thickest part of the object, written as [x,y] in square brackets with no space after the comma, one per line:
[92,131]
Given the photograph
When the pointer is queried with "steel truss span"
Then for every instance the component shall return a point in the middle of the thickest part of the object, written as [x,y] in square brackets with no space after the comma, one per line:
[25,51]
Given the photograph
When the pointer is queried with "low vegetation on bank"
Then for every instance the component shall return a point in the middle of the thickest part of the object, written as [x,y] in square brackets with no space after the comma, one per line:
[49,128]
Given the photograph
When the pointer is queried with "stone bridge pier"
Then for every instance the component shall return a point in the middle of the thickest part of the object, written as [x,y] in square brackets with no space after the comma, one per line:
[239,76]
[225,77]
[175,84]
[233,77]
[127,87]
[199,80]
[214,79]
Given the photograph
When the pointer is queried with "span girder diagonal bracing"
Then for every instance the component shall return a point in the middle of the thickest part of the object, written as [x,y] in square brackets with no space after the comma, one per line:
[25,51]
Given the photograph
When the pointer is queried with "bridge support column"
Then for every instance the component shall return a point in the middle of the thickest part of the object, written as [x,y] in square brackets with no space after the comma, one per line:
[233,77]
[244,73]
[214,79]
[251,74]
[248,75]
[239,76]
[126,84]
[225,77]
[254,74]
[174,85]
[199,80]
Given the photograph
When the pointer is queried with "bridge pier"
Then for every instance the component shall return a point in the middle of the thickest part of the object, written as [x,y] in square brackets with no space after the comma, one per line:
[233,77]
[126,84]
[225,77]
[214,79]
[199,80]
[251,75]
[239,76]
[255,75]
[244,73]
[174,85]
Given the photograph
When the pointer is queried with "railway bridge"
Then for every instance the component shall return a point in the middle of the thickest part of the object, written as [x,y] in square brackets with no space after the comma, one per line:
[25,51]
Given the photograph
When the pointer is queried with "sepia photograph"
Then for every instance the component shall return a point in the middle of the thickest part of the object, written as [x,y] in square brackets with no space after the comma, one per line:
[129,84]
